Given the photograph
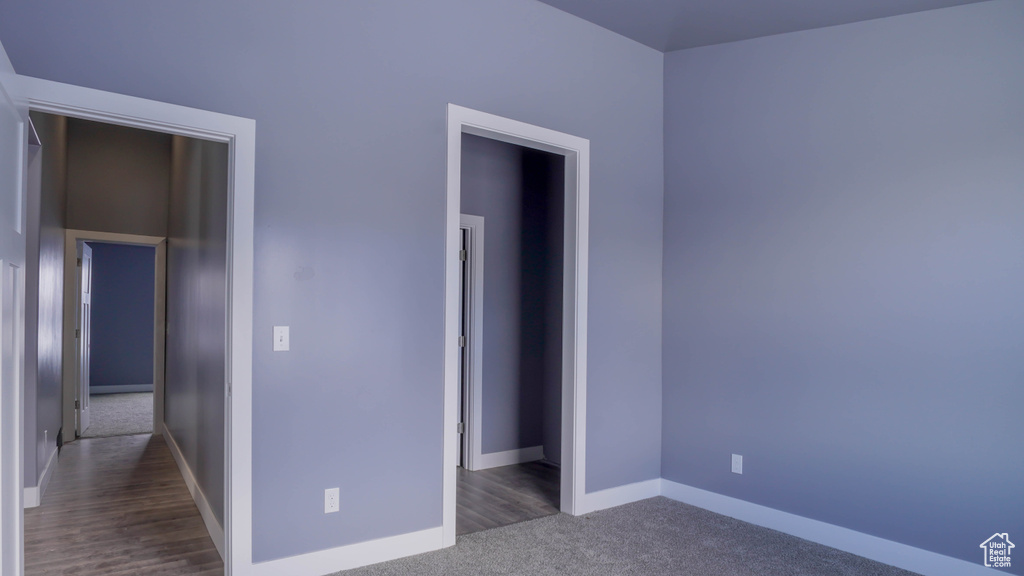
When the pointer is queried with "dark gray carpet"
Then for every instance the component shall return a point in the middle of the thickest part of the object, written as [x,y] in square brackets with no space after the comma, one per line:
[120,414]
[649,538]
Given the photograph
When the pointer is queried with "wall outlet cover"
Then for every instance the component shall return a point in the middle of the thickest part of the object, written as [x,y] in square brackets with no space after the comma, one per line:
[332,498]
[737,464]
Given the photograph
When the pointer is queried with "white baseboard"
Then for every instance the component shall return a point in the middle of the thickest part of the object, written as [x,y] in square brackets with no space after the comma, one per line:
[127,388]
[353,555]
[32,497]
[34,494]
[51,466]
[509,457]
[620,495]
[872,547]
[205,510]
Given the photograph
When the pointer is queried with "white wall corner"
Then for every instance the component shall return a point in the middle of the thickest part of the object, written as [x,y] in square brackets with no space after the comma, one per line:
[353,556]
[34,494]
[871,547]
[509,457]
[205,510]
[620,495]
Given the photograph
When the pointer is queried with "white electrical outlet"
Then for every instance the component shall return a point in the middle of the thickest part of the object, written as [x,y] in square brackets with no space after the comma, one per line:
[332,496]
[737,464]
[282,339]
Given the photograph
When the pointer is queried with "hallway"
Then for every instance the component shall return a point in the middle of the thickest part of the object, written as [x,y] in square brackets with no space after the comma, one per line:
[118,506]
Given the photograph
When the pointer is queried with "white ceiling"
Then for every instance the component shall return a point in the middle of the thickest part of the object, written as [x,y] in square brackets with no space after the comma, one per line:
[668,25]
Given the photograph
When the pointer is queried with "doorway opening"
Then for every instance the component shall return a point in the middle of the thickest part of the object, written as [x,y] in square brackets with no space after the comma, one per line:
[118,349]
[554,264]
[510,344]
[132,209]
[16,146]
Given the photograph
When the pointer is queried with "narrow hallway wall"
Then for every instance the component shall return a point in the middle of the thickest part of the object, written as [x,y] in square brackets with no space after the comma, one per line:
[197,311]
[44,296]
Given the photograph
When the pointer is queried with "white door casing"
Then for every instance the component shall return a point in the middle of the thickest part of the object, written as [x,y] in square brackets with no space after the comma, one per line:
[83,338]
[463,354]
[13,158]
[473,370]
[576,152]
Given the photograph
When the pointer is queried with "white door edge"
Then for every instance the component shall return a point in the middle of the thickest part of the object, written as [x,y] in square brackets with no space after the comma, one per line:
[475,344]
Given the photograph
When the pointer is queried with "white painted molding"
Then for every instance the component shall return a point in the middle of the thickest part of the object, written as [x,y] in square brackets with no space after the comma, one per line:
[353,555]
[159,336]
[112,108]
[32,497]
[205,510]
[620,495]
[120,389]
[510,457]
[871,547]
[13,186]
[474,225]
[51,467]
[34,494]
[576,152]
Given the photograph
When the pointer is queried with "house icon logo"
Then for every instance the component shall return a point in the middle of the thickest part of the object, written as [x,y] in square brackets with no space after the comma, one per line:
[997,550]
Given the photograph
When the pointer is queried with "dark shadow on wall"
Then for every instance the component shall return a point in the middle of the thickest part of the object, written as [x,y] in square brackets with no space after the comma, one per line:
[540,310]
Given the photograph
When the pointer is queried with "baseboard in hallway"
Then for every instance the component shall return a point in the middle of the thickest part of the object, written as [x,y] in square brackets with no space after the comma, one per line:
[34,494]
[213,527]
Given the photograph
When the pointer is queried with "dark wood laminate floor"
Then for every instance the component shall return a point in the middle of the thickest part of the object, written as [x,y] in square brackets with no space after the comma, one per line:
[506,495]
[116,507]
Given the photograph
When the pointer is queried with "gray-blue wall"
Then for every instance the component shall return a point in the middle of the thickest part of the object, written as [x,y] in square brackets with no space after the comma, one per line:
[349,100]
[122,315]
[844,264]
[520,194]
[195,369]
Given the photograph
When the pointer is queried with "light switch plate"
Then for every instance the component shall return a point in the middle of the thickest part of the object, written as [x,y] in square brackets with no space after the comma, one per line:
[281,339]
[737,464]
